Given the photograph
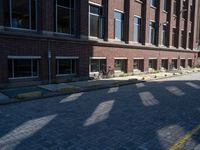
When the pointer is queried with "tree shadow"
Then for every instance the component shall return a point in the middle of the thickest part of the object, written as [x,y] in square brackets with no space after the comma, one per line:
[152,116]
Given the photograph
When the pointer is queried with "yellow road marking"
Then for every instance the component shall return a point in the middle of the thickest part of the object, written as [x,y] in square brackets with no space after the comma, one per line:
[184,139]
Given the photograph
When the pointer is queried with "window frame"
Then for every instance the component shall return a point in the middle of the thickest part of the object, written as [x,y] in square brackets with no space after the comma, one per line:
[101,17]
[12,58]
[30,14]
[71,65]
[150,32]
[56,19]
[121,21]
[139,40]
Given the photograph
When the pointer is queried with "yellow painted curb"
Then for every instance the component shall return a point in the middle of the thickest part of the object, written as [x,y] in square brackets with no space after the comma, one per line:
[29,95]
[184,139]
[67,90]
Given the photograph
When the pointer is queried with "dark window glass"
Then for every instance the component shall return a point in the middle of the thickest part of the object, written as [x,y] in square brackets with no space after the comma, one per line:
[66,66]
[182,63]
[182,39]
[22,14]
[97,65]
[137,29]
[174,64]
[120,65]
[164,64]
[65,16]
[190,40]
[165,5]
[10,68]
[152,31]
[175,8]
[190,63]
[118,25]
[174,37]
[164,35]
[138,64]
[96,21]
[154,3]
[18,68]
[153,64]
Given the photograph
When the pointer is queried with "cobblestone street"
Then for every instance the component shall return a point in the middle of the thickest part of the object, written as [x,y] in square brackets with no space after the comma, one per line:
[145,116]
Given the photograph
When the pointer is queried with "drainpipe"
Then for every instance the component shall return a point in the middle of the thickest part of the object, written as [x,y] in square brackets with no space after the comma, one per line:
[49,61]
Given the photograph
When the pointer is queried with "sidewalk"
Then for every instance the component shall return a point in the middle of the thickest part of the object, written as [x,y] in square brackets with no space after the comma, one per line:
[14,95]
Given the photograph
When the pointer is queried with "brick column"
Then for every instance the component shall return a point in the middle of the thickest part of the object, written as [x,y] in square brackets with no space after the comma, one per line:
[194,22]
[47,17]
[179,21]
[145,21]
[109,20]
[128,23]
[83,24]
[159,14]
[186,26]
[170,25]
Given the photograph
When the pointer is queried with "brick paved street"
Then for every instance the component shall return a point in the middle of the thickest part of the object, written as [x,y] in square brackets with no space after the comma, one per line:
[146,116]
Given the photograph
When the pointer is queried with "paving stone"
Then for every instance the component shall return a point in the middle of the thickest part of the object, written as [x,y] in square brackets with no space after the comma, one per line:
[126,124]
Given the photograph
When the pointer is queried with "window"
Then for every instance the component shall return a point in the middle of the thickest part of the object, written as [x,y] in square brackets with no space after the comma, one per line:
[22,14]
[182,39]
[183,63]
[191,13]
[174,37]
[165,5]
[65,16]
[175,8]
[138,64]
[154,3]
[153,64]
[164,35]
[137,29]
[120,65]
[23,68]
[96,21]
[152,33]
[97,65]
[190,63]
[118,25]
[164,64]
[174,64]
[184,10]
[66,66]
[190,40]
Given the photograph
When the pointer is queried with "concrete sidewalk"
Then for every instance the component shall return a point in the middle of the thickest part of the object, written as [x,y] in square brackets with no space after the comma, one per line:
[36,92]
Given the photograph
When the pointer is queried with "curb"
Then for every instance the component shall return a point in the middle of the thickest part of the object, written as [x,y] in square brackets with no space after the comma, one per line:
[59,93]
[67,91]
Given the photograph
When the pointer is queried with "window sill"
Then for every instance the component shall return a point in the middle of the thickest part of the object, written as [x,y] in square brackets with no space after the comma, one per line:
[64,75]
[22,78]
[164,11]
[139,1]
[19,29]
[153,7]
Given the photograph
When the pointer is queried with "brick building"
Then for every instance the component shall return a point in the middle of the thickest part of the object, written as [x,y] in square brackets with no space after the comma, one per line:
[56,39]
